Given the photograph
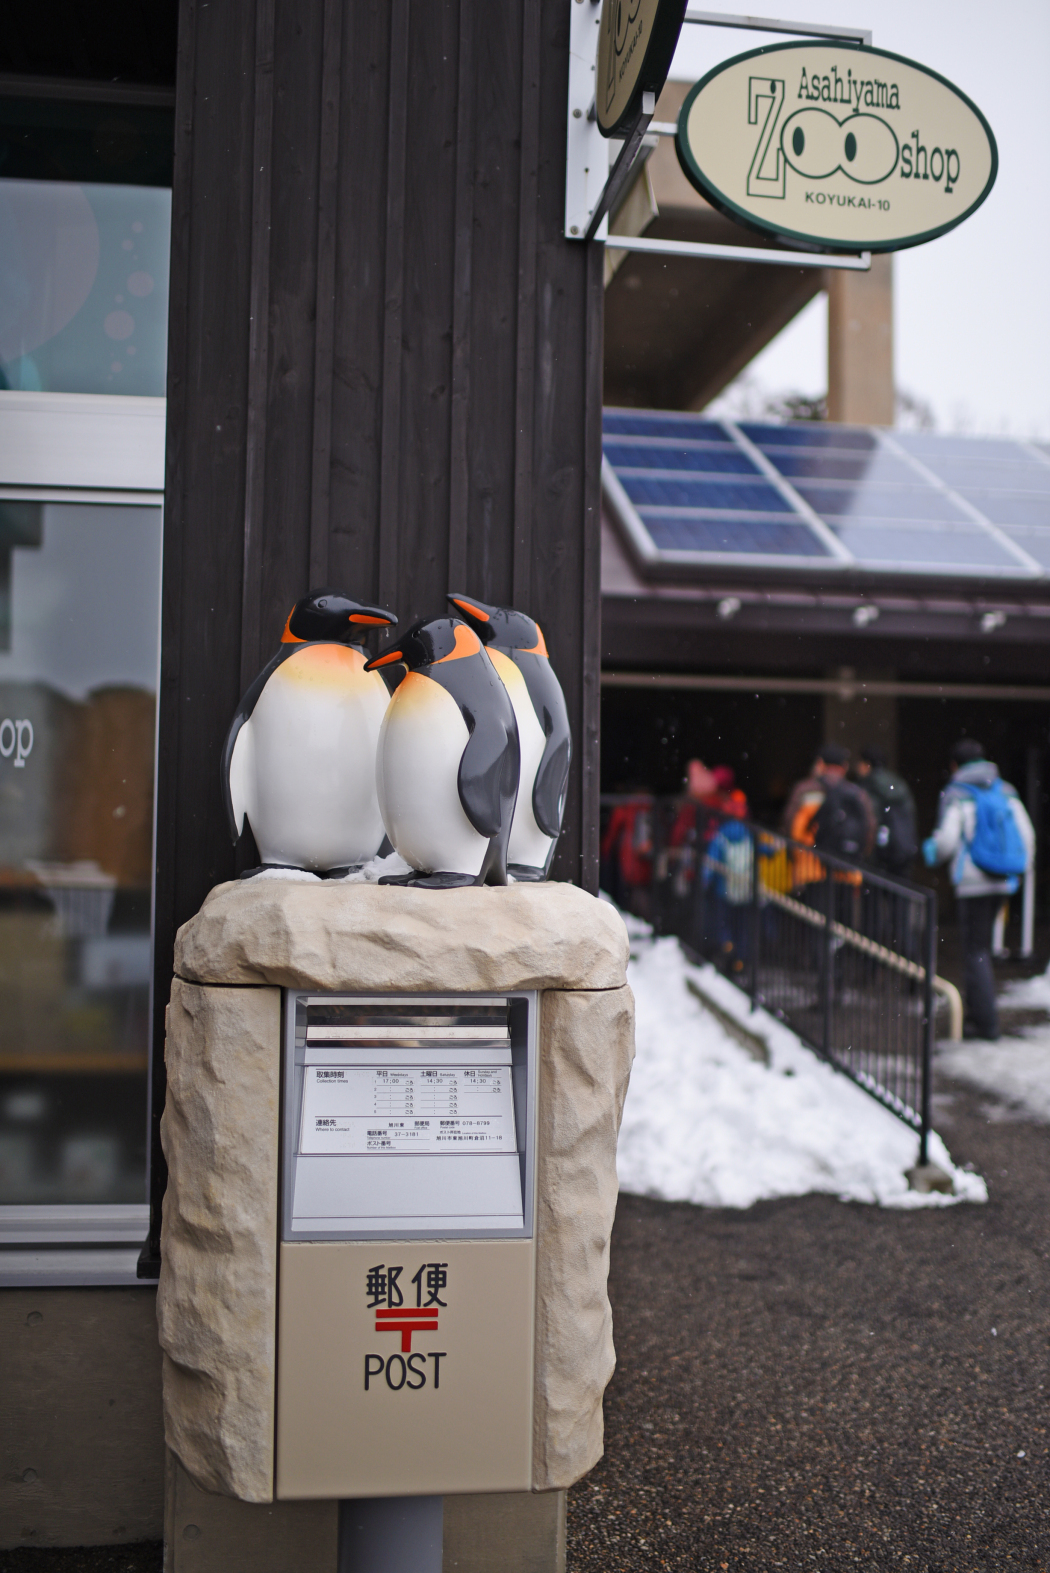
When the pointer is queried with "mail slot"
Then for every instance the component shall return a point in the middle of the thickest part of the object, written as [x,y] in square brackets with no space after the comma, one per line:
[407,1268]
[410,1117]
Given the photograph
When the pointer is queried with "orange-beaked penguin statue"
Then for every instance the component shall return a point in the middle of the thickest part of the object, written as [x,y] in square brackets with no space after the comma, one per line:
[299,760]
[447,763]
[519,653]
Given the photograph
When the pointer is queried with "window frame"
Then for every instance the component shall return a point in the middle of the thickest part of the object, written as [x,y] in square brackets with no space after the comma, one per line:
[105,449]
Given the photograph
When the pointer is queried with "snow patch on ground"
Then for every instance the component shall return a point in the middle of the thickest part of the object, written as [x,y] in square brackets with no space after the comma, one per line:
[705,1122]
[1016,1070]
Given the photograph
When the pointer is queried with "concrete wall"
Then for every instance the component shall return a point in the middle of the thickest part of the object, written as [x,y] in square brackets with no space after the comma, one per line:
[81,1435]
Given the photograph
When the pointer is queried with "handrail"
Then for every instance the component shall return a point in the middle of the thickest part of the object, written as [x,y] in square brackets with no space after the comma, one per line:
[951,994]
[844,953]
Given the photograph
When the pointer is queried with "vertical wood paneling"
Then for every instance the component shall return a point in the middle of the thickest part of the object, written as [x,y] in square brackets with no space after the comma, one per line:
[426,410]
[589,587]
[361,292]
[459,461]
[324,337]
[393,311]
[560,401]
[294,174]
[493,306]
[525,336]
[384,366]
[258,340]
[204,483]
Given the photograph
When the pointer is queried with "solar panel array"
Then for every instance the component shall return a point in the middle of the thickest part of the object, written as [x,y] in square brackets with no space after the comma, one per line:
[694,490]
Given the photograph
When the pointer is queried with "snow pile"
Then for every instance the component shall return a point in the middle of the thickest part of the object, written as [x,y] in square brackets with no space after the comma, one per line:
[1016,1070]
[706,1122]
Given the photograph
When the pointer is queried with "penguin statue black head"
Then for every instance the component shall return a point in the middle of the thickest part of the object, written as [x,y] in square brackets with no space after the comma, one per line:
[448,759]
[501,625]
[330,616]
[426,643]
[518,651]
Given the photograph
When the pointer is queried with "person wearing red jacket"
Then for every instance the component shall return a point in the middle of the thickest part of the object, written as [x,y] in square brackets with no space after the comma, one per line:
[627,851]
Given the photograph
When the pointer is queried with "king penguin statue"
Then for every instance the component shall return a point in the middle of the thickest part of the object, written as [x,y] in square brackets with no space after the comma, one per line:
[447,764]
[519,653]
[300,756]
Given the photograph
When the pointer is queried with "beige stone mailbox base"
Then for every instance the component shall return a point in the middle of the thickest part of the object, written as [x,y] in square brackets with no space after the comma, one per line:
[219,1287]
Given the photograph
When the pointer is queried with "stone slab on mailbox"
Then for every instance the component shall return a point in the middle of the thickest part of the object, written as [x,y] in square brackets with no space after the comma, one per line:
[217,1296]
[389,937]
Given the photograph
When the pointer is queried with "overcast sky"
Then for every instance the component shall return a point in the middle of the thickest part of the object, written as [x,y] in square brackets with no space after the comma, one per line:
[972,317]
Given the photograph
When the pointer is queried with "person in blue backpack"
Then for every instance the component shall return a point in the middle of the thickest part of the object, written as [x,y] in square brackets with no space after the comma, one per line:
[986,836]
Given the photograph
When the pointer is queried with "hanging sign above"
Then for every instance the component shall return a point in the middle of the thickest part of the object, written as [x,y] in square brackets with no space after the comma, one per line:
[840,146]
[636,42]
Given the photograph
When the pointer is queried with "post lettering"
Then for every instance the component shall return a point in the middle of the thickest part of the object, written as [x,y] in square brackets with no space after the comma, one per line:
[396,1386]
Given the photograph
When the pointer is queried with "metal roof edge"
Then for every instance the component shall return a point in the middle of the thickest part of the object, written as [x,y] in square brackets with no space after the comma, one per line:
[627,519]
[663,579]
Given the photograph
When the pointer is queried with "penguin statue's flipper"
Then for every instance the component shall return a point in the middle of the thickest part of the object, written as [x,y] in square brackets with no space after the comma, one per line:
[488,770]
[548,701]
[521,640]
[488,774]
[236,760]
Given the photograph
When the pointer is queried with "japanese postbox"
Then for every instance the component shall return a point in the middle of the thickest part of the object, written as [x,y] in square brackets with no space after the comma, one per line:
[407,1257]
[390,1127]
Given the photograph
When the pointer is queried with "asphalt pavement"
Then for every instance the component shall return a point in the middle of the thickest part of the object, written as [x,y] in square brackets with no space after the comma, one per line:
[812,1384]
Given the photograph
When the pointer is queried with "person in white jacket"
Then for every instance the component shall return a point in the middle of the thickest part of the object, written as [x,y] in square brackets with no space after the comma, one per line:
[979,894]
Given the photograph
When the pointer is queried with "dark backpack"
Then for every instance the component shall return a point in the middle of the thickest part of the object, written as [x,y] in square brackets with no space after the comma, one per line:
[896,833]
[841,822]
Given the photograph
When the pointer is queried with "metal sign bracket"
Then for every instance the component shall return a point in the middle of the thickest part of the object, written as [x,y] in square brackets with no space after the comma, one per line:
[593,189]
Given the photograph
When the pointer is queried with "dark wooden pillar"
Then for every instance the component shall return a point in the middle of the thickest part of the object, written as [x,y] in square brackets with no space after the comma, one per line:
[384,366]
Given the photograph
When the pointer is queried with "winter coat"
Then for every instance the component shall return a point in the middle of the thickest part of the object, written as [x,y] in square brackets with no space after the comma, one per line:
[629,835]
[803,806]
[889,791]
[728,864]
[957,823]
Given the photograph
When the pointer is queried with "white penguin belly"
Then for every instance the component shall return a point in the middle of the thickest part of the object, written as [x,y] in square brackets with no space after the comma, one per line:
[314,734]
[528,843]
[417,776]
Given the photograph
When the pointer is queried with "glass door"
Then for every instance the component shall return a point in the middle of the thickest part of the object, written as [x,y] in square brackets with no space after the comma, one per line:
[83,321]
[78,694]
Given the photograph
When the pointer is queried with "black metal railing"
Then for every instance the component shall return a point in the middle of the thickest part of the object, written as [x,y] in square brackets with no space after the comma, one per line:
[842,953]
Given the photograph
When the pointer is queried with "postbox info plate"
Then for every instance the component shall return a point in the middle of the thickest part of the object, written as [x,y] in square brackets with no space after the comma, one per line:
[408,1108]
[409,1116]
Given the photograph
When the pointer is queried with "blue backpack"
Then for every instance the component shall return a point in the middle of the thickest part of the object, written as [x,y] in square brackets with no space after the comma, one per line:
[997,847]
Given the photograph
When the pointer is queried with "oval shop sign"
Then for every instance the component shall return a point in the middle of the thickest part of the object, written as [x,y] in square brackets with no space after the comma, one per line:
[837,145]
